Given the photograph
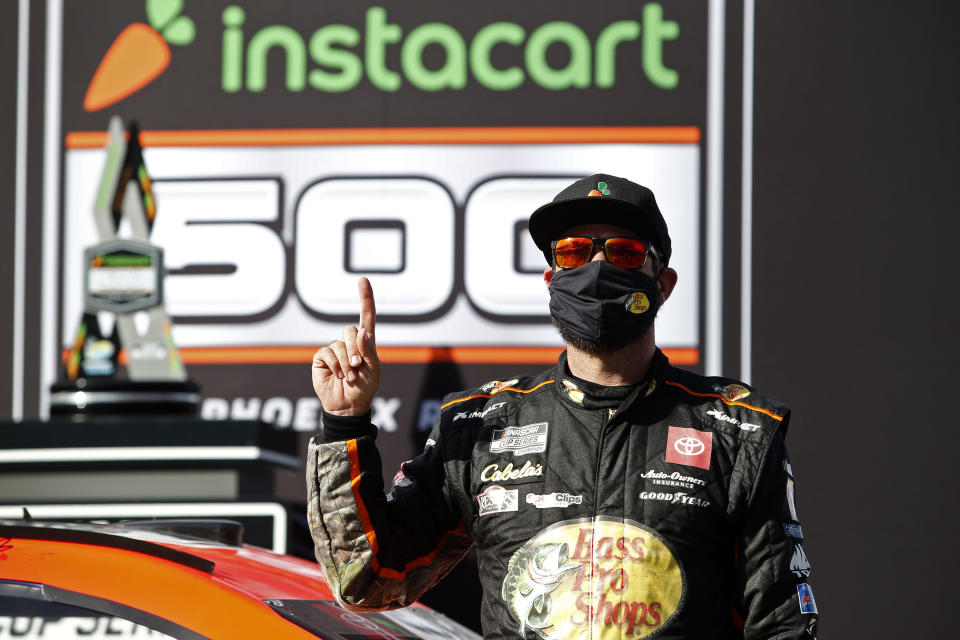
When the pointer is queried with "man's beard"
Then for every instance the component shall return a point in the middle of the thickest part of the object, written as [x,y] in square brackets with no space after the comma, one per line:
[607,346]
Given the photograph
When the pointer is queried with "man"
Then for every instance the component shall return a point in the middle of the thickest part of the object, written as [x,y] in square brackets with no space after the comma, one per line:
[610,496]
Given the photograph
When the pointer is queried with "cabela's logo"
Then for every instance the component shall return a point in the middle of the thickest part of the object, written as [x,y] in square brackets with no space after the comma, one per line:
[603,577]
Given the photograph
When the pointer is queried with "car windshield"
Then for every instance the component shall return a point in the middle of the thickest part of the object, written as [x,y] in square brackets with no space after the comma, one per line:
[25,612]
[326,619]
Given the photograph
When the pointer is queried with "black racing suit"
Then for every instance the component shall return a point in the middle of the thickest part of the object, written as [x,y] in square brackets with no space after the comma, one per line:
[664,508]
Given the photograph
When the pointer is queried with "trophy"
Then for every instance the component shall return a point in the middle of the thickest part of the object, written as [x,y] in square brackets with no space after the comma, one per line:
[133,367]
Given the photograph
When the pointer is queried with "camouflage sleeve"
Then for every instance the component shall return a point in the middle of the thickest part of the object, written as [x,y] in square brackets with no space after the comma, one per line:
[776,600]
[379,551]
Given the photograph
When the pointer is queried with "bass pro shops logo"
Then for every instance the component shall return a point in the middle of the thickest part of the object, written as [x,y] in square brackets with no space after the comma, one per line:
[604,578]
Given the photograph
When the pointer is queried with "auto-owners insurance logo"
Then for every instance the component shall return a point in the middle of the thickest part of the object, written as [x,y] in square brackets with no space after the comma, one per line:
[602,578]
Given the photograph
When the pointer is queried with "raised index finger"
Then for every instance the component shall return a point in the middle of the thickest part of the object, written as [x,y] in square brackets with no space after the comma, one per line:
[368,309]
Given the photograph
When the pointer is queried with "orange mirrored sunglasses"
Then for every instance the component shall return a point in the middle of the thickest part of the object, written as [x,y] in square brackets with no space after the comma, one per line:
[576,251]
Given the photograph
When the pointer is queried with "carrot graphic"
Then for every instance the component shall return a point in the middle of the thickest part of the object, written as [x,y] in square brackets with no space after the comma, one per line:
[139,54]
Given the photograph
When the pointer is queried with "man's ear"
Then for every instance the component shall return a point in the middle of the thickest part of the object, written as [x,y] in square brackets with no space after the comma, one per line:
[667,281]
[547,276]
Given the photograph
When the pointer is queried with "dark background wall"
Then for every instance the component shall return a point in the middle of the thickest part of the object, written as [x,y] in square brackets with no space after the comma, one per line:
[856,161]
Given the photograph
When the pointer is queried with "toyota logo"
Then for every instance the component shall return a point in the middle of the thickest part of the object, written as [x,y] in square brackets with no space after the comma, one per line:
[688,446]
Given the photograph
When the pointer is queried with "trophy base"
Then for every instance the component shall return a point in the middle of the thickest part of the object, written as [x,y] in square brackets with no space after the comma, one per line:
[89,397]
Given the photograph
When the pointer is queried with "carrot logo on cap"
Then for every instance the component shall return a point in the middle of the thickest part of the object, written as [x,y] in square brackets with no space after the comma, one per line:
[139,54]
[601,190]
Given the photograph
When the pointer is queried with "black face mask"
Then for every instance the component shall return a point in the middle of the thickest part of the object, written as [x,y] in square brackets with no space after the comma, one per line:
[604,304]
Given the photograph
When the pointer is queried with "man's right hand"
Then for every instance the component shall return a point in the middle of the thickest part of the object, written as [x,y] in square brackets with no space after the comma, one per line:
[346,373]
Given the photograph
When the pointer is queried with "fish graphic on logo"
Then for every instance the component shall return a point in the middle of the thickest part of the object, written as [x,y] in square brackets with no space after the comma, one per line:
[732,392]
[602,578]
[531,576]
[638,302]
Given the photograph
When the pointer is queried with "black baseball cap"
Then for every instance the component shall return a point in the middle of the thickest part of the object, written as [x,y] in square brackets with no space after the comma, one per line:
[606,199]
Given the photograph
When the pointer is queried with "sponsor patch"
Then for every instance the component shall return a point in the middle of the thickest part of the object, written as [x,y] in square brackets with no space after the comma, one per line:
[497,499]
[478,413]
[553,500]
[674,479]
[793,530]
[495,386]
[493,473]
[807,603]
[722,417]
[520,441]
[799,565]
[401,479]
[790,501]
[638,303]
[689,446]
[573,391]
[430,443]
[731,392]
[677,497]
[593,578]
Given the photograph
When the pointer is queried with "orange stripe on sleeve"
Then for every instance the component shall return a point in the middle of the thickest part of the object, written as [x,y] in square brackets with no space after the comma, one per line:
[725,401]
[371,534]
[355,486]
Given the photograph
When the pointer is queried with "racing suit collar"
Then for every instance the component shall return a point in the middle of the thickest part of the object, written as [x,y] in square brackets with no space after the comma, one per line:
[591,395]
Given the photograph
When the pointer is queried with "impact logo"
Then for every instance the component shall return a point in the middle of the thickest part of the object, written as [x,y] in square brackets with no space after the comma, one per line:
[139,54]
[603,578]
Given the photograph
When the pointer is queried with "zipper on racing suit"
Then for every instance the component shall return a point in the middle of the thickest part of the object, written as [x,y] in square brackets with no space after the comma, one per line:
[596,476]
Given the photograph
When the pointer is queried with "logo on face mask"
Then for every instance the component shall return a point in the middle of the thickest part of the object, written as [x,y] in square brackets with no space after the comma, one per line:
[638,302]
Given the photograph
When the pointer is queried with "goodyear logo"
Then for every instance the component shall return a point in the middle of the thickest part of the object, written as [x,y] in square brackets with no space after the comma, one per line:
[603,578]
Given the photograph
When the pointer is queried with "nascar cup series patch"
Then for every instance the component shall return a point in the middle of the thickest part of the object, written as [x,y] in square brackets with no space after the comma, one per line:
[602,578]
[520,441]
